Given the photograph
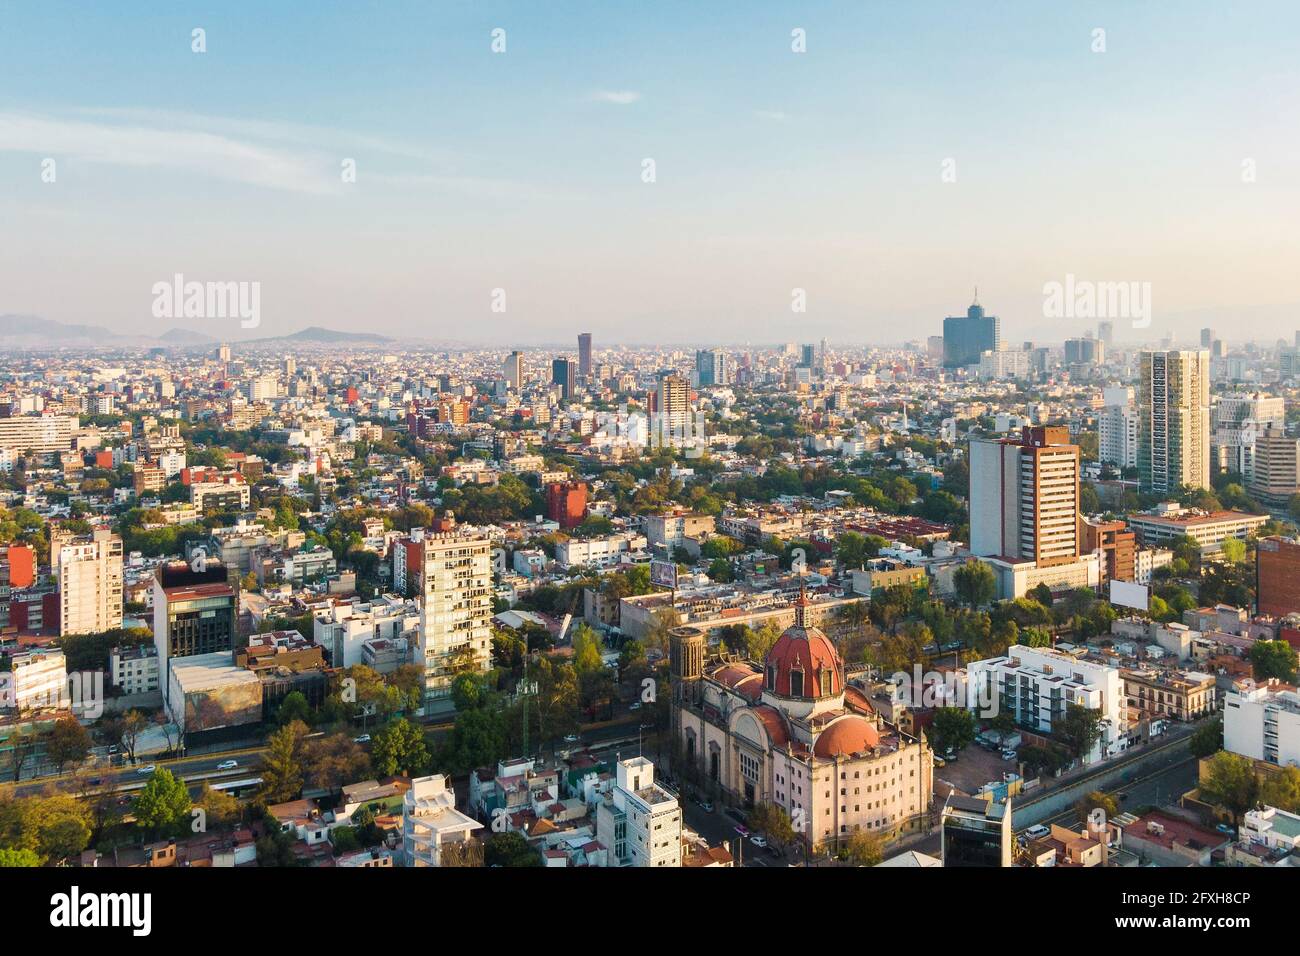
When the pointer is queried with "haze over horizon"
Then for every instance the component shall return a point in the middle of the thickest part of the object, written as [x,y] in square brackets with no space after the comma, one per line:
[774,170]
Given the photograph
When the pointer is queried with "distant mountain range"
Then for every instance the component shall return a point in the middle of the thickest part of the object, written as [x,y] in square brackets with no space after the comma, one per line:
[31,332]
[314,333]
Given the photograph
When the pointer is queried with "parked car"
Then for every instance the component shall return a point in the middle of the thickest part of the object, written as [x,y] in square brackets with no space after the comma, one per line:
[940,762]
[228,765]
[363,739]
[1224,828]
[950,755]
[570,738]
[148,768]
[758,840]
[1037,830]
[742,830]
[635,705]
[1009,755]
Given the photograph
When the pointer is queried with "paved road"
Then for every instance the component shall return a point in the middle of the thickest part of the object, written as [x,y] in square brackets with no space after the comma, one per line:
[127,778]
[1137,764]
[1161,785]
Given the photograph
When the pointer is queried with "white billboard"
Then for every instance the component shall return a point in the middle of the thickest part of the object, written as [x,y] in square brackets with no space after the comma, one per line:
[1128,594]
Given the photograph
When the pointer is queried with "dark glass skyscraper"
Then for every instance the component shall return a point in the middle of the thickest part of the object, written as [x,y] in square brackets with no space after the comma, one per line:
[562,374]
[965,338]
[584,356]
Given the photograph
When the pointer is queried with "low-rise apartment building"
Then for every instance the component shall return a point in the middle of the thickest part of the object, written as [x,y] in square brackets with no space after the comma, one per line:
[1036,686]
[1262,721]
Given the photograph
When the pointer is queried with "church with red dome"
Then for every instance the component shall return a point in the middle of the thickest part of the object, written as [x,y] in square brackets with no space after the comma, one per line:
[790,731]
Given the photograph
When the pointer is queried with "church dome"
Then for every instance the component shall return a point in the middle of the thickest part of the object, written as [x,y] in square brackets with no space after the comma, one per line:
[847,736]
[803,663]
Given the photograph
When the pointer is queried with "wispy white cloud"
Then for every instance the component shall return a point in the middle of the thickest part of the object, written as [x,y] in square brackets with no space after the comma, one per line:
[208,154]
[775,116]
[290,157]
[617,97]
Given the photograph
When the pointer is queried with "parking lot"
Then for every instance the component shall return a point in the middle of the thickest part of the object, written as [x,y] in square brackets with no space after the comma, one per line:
[973,768]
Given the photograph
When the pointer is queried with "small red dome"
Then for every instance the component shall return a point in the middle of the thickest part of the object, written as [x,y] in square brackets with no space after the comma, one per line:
[848,735]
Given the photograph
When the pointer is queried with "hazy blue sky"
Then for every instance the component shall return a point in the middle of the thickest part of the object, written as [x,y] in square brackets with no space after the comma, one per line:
[775,170]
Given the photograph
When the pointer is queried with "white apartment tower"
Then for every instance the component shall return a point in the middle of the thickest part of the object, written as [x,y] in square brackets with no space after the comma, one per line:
[1118,428]
[1174,427]
[455,602]
[90,584]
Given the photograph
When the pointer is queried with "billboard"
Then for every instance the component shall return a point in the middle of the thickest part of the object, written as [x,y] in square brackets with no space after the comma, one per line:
[225,706]
[1128,594]
[664,574]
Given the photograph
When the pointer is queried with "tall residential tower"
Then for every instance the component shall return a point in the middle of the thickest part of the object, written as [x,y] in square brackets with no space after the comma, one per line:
[1174,427]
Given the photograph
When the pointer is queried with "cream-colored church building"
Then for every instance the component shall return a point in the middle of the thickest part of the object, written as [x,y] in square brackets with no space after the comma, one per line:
[790,732]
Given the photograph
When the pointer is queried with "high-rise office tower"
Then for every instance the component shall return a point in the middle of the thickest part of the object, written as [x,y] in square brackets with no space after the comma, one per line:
[1207,338]
[1276,474]
[563,374]
[1084,352]
[584,356]
[223,352]
[711,367]
[1024,497]
[807,356]
[1237,420]
[513,370]
[90,584]
[194,612]
[290,367]
[966,338]
[455,601]
[1174,423]
[1106,333]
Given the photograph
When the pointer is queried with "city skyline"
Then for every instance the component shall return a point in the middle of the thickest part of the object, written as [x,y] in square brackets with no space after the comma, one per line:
[899,161]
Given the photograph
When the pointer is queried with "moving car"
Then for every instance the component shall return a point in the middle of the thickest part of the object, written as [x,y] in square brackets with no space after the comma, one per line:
[742,830]
[228,765]
[363,739]
[148,768]
[706,806]
[635,705]
[570,738]
[758,840]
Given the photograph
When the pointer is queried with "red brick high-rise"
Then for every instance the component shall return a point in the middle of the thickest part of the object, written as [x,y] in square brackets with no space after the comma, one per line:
[1277,576]
[566,503]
